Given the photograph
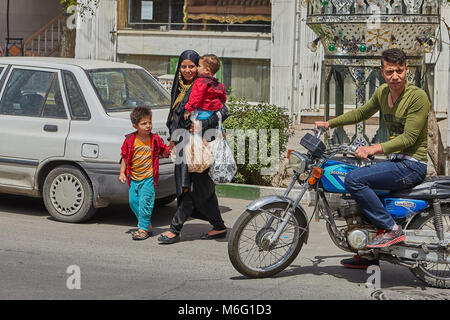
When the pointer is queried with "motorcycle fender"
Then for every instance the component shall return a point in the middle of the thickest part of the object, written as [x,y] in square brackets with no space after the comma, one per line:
[256,205]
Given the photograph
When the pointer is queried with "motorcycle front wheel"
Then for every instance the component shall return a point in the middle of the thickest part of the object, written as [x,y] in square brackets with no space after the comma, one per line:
[434,274]
[249,248]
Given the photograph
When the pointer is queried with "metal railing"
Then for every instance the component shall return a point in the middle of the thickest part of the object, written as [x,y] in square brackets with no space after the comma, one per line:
[47,40]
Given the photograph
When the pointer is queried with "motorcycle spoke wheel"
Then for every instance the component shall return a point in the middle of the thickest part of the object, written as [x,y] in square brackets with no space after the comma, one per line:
[250,250]
[434,274]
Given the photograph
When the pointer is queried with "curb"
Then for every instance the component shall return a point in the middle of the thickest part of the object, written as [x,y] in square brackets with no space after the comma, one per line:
[253,192]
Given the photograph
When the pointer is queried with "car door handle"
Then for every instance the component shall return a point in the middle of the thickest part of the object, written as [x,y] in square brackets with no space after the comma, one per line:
[50,128]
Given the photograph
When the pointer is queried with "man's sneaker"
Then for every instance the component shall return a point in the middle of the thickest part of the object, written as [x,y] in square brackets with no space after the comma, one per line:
[387,238]
[356,262]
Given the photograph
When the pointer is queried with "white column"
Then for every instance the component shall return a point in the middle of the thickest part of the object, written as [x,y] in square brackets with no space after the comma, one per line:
[282,53]
[94,37]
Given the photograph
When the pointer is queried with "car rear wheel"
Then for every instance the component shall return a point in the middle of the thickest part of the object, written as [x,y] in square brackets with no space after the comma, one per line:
[68,195]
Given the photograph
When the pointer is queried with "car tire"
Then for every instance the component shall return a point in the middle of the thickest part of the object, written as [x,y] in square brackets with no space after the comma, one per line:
[68,195]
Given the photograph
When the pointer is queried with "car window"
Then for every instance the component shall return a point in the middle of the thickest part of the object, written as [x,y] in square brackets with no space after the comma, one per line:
[32,93]
[54,105]
[123,89]
[1,70]
[77,104]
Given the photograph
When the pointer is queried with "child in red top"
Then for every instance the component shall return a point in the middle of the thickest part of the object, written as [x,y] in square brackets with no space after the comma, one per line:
[207,94]
[139,167]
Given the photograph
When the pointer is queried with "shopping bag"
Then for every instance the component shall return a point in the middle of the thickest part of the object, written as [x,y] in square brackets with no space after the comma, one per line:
[198,156]
[224,167]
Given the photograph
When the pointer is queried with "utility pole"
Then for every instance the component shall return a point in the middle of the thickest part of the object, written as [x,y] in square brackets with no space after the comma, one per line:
[7,19]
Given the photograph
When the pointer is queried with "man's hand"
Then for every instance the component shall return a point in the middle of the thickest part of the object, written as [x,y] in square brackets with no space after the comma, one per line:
[367,151]
[324,124]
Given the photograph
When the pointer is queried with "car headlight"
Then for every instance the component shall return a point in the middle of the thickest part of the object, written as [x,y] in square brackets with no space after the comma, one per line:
[297,161]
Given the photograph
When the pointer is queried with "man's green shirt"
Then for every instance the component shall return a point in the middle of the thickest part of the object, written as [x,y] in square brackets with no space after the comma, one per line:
[406,120]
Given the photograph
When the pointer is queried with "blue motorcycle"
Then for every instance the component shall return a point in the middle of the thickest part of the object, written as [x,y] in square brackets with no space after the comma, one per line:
[268,236]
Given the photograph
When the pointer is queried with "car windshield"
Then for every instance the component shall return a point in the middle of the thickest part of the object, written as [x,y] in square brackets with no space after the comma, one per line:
[123,89]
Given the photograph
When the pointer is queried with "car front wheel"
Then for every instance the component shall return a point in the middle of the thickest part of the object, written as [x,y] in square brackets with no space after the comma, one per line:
[68,195]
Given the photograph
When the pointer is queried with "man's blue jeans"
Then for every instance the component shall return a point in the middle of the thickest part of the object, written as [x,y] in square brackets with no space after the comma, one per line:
[387,175]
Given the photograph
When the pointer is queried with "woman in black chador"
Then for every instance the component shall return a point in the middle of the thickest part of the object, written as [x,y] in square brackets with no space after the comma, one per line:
[196,196]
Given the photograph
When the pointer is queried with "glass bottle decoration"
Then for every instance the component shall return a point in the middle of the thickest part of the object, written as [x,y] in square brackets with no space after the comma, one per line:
[360,7]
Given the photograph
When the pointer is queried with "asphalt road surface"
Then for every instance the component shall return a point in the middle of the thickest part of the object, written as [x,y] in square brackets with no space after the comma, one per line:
[45,259]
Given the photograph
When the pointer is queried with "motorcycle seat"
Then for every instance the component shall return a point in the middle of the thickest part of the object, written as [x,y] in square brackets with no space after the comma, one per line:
[437,187]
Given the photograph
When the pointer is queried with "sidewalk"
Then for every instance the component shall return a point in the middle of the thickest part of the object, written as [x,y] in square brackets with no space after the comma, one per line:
[252,192]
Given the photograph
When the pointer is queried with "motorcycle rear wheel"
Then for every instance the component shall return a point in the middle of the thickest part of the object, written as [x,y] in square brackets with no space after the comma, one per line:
[434,274]
[248,247]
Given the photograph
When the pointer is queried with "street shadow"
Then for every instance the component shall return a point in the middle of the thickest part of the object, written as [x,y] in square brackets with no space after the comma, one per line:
[22,205]
[392,276]
[115,214]
[121,215]
[193,231]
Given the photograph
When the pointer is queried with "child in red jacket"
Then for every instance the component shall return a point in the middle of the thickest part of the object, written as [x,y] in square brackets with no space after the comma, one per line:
[207,94]
[139,167]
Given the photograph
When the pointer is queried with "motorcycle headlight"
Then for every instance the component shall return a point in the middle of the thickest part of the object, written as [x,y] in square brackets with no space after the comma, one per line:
[297,161]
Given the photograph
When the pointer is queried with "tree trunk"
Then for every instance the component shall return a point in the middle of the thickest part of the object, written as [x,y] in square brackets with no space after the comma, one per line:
[68,42]
[436,150]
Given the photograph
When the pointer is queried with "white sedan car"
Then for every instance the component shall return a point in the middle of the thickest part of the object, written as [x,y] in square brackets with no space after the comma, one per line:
[62,125]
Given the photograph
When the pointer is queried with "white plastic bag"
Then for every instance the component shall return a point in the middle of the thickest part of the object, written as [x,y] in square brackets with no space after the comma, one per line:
[224,167]
[198,156]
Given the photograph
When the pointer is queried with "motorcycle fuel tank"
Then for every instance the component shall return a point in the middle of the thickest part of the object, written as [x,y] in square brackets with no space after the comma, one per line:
[334,176]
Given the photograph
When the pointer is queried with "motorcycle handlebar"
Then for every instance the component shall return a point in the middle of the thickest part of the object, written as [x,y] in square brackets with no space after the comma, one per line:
[348,149]
[352,150]
[320,131]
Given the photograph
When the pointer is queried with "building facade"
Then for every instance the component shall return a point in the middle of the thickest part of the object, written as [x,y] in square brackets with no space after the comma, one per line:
[20,19]
[262,60]
[264,46]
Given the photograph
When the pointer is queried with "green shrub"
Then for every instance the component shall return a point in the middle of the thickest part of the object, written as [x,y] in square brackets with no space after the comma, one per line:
[246,116]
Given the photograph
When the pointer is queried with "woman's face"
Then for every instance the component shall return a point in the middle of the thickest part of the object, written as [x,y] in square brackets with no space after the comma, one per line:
[188,70]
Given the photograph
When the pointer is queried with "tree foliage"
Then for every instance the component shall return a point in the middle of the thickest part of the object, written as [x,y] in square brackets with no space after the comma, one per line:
[263,116]
[83,7]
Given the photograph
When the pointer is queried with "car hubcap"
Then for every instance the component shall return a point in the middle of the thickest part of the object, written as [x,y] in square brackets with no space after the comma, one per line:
[66,194]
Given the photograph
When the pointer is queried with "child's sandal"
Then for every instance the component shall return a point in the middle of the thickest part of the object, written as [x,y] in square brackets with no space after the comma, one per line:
[141,235]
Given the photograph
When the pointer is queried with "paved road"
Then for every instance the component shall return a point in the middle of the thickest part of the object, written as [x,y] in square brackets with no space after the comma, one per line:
[40,258]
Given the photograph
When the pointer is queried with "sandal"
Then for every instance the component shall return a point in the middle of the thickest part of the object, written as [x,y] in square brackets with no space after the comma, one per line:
[136,232]
[141,235]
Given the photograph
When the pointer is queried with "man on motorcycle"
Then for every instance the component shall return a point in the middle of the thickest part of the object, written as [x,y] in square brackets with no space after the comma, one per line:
[405,110]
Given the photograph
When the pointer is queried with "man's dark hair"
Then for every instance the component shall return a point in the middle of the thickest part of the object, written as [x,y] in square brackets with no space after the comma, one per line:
[140,112]
[212,62]
[393,55]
